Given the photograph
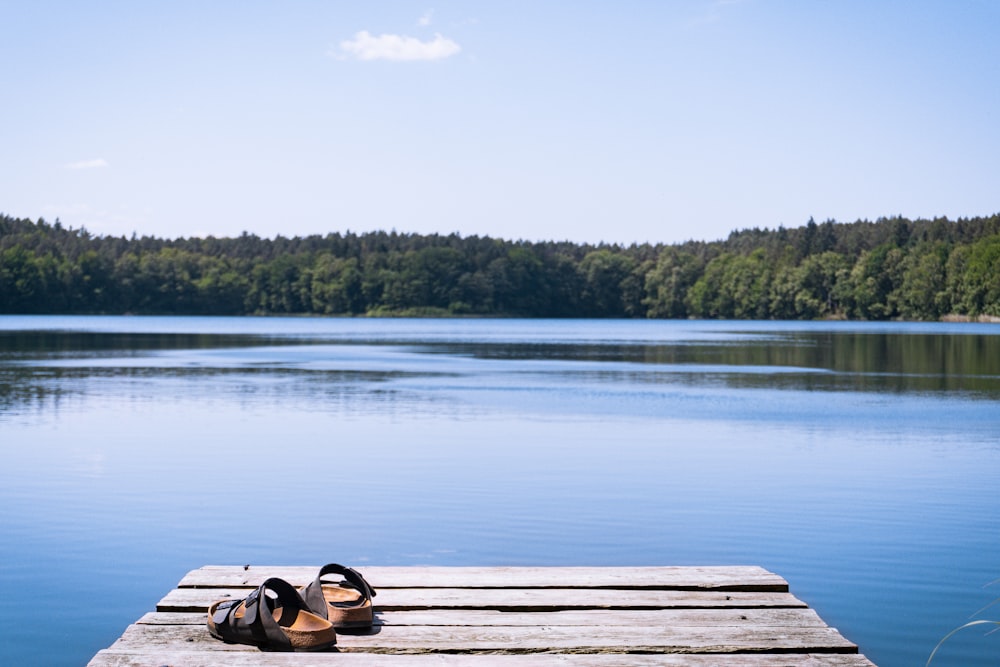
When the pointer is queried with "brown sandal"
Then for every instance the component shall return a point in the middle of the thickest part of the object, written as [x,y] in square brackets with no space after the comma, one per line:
[283,623]
[346,604]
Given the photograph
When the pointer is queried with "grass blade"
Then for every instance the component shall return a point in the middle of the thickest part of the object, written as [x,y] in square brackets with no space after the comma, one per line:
[961,627]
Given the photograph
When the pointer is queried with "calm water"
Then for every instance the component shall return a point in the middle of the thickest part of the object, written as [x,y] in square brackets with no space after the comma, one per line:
[859,461]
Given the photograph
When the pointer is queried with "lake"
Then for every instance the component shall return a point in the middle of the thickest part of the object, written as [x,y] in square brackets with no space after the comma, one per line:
[860,461]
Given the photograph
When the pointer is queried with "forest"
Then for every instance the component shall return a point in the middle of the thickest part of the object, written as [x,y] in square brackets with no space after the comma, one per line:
[889,269]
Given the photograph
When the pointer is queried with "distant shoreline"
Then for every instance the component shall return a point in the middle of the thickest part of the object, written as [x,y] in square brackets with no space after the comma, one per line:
[979,319]
[887,270]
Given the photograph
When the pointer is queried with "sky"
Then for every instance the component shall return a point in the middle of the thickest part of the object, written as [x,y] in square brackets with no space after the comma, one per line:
[620,122]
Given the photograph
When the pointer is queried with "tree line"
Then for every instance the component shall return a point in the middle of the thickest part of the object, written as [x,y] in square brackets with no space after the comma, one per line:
[892,268]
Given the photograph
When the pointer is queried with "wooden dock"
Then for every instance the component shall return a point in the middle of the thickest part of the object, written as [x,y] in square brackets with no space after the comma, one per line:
[515,617]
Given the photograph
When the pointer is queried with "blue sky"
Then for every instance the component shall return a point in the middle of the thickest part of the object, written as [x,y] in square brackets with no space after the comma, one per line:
[586,121]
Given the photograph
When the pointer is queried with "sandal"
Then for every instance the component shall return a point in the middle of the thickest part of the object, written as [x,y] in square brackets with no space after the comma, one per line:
[347,605]
[283,623]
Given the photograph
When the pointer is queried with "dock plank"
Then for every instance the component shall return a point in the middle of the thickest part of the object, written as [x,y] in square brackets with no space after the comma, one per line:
[721,578]
[799,617]
[513,599]
[516,617]
[535,639]
[114,658]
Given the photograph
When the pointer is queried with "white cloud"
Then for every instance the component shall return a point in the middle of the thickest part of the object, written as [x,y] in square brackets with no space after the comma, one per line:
[425,20]
[99,163]
[366,46]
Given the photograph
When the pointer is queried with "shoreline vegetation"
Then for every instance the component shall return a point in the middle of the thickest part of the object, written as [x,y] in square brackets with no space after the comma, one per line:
[889,269]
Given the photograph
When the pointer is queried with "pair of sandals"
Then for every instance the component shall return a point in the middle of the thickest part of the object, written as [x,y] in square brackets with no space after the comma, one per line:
[279,617]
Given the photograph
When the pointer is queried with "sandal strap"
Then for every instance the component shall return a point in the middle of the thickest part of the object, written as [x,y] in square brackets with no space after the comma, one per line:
[257,622]
[313,593]
[264,616]
[223,611]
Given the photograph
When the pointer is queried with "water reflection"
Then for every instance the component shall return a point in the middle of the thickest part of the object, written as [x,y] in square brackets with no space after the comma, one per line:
[43,367]
[944,356]
[54,343]
[24,390]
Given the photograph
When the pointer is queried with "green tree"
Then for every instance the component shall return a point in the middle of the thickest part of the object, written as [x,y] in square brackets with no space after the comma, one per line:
[606,277]
[822,279]
[747,281]
[668,282]
[94,288]
[518,288]
[922,293]
[222,287]
[337,285]
[954,282]
[981,280]
[709,297]
[164,282]
[23,287]
[280,286]
[429,277]
[874,278]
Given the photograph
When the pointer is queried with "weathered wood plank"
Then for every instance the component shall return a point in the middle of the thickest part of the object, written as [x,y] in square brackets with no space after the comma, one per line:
[516,617]
[159,658]
[723,578]
[802,617]
[530,639]
[513,599]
